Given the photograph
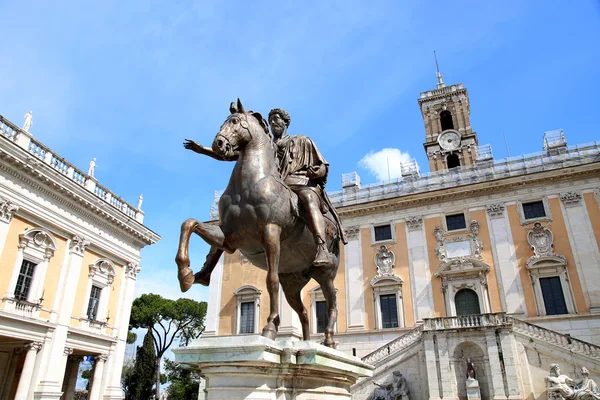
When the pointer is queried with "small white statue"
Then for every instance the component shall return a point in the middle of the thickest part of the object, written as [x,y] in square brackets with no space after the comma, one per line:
[140,200]
[92,167]
[28,121]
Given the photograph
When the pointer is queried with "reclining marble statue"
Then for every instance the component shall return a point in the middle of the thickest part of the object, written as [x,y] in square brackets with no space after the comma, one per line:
[561,387]
[275,211]
[396,390]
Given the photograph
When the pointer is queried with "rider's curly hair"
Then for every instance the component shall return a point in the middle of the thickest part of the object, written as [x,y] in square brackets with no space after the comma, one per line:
[283,114]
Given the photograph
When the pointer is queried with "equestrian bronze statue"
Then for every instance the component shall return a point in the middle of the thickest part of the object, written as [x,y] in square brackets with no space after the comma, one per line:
[275,211]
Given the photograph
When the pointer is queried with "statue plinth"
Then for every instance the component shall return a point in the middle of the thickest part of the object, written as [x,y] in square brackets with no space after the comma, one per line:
[473,391]
[255,367]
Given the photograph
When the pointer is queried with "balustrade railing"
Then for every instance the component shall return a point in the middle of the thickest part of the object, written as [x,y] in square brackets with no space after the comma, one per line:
[464,321]
[38,150]
[561,339]
[394,346]
[26,308]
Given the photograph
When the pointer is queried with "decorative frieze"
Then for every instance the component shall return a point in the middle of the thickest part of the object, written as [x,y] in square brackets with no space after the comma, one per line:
[495,210]
[571,199]
[78,245]
[352,232]
[414,223]
[7,210]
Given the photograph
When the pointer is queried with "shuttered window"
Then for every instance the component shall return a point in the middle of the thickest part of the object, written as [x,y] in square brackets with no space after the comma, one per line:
[247,318]
[24,280]
[534,210]
[321,316]
[554,299]
[389,311]
[467,302]
[92,310]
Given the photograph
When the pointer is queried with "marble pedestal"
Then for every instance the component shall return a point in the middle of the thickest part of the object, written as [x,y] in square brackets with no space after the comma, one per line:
[473,391]
[257,368]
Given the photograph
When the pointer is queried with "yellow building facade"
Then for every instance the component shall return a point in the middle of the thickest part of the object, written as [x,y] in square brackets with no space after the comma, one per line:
[517,239]
[69,257]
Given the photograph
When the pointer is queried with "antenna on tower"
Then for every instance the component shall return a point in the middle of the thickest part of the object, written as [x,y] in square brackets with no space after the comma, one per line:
[440,82]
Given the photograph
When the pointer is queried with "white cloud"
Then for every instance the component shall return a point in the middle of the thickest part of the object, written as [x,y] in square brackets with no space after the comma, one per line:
[385,163]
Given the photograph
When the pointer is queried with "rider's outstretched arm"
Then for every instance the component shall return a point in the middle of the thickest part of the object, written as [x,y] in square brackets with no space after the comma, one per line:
[207,151]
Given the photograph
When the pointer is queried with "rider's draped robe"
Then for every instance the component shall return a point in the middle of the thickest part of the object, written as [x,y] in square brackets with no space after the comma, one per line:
[296,154]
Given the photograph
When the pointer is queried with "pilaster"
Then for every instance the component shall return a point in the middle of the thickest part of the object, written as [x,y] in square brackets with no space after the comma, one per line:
[583,245]
[420,274]
[214,305]
[355,297]
[53,363]
[507,266]
[509,355]
[7,211]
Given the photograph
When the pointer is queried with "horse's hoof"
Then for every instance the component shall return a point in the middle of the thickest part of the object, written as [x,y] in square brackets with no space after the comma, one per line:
[186,279]
[202,279]
[269,333]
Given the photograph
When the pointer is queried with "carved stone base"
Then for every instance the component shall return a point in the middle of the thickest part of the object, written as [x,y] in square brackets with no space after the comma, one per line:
[473,391]
[254,367]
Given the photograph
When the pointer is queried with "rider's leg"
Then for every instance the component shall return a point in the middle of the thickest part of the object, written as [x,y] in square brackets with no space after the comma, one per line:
[316,224]
[212,258]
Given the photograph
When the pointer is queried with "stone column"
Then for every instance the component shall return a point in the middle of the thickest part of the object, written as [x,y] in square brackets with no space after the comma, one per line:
[117,355]
[497,380]
[27,372]
[214,305]
[431,364]
[95,392]
[420,274]
[10,374]
[510,367]
[584,246]
[355,294]
[53,363]
[505,258]
[72,373]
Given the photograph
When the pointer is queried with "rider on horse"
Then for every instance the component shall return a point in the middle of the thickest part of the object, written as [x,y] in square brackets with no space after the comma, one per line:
[304,170]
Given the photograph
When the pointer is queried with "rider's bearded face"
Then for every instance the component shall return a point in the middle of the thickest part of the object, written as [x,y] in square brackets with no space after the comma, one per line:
[277,125]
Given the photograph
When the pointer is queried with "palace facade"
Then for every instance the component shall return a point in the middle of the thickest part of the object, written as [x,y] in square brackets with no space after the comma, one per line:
[496,260]
[69,257]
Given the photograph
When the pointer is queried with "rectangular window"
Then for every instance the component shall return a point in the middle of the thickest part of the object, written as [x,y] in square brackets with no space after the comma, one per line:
[554,299]
[247,318]
[456,222]
[383,232]
[389,311]
[92,310]
[322,319]
[534,210]
[24,280]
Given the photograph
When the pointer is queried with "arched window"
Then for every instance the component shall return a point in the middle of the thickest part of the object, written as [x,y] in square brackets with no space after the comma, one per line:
[446,120]
[467,302]
[452,161]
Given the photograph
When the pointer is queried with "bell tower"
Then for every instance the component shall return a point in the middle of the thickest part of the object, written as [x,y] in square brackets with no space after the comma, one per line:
[449,139]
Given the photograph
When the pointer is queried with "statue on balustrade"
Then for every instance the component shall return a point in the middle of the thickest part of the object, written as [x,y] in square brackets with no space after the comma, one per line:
[561,387]
[274,211]
[28,121]
[397,390]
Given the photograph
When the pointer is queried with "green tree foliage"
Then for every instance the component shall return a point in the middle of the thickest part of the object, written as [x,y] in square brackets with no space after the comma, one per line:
[167,320]
[131,337]
[140,381]
[184,382]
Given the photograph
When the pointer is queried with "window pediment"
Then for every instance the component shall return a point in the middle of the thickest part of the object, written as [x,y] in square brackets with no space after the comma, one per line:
[245,290]
[549,261]
[389,280]
[462,266]
[103,271]
[38,243]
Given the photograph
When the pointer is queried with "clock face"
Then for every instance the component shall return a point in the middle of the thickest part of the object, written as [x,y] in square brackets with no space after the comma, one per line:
[449,140]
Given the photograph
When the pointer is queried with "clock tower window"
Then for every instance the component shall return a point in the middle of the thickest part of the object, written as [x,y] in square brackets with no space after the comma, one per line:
[452,161]
[446,120]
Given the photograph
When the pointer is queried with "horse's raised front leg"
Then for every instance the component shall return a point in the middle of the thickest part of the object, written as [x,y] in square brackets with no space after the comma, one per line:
[271,243]
[212,234]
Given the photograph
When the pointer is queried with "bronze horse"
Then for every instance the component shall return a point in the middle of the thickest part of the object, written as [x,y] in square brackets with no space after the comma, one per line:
[259,216]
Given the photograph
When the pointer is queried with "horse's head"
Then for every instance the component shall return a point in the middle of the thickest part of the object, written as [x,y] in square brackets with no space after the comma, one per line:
[238,130]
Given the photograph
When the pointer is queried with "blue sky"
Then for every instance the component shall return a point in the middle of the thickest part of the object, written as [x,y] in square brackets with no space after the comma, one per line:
[126,82]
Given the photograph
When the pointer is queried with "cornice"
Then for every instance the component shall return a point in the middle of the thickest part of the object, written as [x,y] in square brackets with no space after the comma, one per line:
[41,178]
[469,190]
